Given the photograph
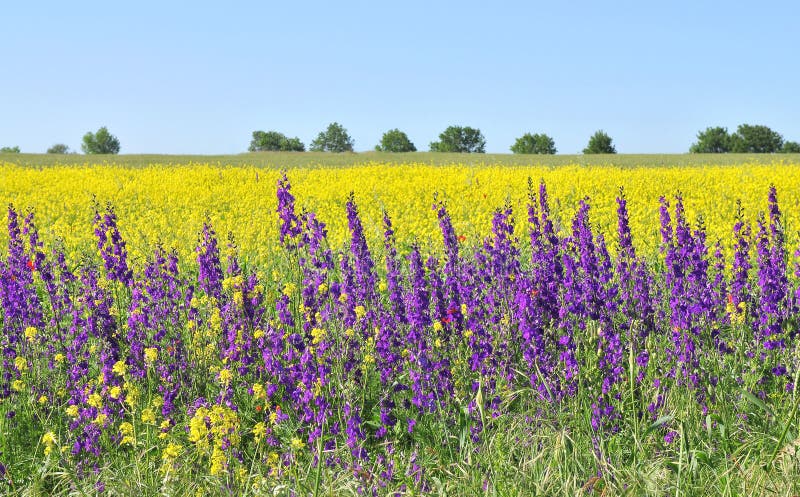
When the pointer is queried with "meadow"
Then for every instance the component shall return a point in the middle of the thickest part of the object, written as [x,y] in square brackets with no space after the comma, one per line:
[371,324]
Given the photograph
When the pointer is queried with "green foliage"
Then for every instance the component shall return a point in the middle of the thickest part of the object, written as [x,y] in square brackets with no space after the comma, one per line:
[9,150]
[333,139]
[460,140]
[101,142]
[534,144]
[58,148]
[714,140]
[396,141]
[274,141]
[600,143]
[791,148]
[756,139]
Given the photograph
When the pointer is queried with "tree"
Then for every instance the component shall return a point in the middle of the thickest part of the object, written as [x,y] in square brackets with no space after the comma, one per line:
[333,139]
[101,142]
[461,140]
[791,148]
[534,144]
[756,139]
[9,150]
[58,148]
[600,143]
[714,140]
[273,141]
[395,140]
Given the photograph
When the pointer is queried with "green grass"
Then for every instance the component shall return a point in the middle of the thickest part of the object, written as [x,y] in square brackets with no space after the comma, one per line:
[323,159]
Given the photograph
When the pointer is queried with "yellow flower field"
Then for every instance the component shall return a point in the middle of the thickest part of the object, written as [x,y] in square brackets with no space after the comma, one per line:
[169,202]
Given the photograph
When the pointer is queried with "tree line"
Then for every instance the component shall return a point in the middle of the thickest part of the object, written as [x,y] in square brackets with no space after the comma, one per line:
[464,139]
[456,139]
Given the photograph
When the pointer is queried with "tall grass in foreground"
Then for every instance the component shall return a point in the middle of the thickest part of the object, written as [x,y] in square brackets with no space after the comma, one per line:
[473,371]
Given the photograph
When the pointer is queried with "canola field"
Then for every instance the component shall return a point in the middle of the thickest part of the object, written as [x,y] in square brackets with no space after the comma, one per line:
[169,203]
[400,329]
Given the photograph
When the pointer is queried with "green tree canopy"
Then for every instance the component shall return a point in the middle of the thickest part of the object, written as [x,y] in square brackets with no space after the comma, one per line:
[714,140]
[395,140]
[461,140]
[9,150]
[58,148]
[333,139]
[600,143]
[274,141]
[101,142]
[534,144]
[757,139]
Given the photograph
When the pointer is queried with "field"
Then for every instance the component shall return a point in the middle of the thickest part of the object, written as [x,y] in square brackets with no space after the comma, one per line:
[297,324]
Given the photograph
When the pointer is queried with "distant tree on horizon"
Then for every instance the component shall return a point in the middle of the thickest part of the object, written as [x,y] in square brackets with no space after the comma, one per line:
[58,148]
[101,142]
[460,139]
[10,150]
[600,143]
[333,139]
[756,139]
[713,140]
[395,140]
[534,144]
[274,141]
[791,148]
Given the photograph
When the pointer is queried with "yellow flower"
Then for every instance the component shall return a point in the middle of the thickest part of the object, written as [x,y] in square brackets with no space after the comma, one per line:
[150,355]
[21,364]
[468,333]
[259,430]
[148,416]
[114,392]
[49,441]
[30,333]
[259,392]
[437,326]
[171,451]
[273,417]
[95,400]
[43,399]
[18,385]
[59,358]
[322,288]
[317,334]
[225,376]
[349,332]
[297,444]
[343,298]
[360,311]
[258,333]
[382,286]
[100,419]
[72,411]
[120,368]
[218,462]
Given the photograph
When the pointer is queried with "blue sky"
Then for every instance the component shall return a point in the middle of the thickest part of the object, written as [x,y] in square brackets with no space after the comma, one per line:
[197,77]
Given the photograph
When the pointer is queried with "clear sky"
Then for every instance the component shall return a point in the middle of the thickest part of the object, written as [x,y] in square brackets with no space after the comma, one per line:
[199,77]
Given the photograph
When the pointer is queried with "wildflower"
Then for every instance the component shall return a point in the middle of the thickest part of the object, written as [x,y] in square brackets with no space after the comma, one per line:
[322,288]
[100,419]
[360,311]
[120,368]
[18,385]
[59,358]
[148,416]
[126,430]
[258,333]
[72,411]
[317,334]
[115,392]
[225,376]
[43,400]
[95,400]
[49,441]
[150,355]
[21,364]
[171,452]
[30,333]
[297,444]
[259,392]
[437,326]
[259,430]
